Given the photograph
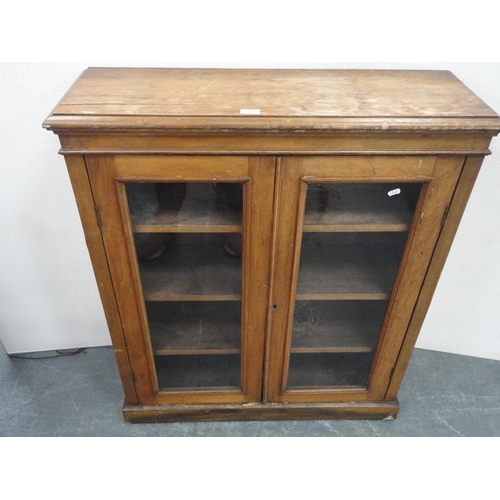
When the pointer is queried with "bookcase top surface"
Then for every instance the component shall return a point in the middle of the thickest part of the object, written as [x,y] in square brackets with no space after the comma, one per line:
[270,99]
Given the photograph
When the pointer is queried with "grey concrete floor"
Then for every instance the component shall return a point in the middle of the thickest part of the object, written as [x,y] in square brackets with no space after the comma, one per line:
[442,395]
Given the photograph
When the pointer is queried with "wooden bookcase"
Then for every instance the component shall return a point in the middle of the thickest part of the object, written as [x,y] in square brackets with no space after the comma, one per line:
[267,242]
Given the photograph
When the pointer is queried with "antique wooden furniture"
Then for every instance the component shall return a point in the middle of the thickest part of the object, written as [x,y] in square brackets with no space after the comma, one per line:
[267,242]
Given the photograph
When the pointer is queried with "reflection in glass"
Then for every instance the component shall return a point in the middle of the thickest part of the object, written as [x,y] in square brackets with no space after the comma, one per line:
[188,239]
[354,236]
[363,207]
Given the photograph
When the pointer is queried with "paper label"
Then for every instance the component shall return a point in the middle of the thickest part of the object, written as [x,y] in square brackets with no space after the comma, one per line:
[249,111]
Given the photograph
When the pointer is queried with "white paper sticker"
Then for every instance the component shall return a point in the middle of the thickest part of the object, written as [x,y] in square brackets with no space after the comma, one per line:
[249,111]
[394,192]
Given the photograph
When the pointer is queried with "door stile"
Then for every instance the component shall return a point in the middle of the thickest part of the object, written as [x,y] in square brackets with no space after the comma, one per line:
[102,174]
[295,273]
[77,170]
[289,172]
[419,252]
[258,243]
[270,347]
[468,176]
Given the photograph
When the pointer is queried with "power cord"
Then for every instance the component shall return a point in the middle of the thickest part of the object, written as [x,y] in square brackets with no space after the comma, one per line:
[58,355]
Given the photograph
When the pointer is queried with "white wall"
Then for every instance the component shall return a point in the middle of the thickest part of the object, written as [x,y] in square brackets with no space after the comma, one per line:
[48,297]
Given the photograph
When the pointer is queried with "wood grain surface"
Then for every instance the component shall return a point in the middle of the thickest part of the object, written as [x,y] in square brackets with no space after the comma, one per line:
[169,98]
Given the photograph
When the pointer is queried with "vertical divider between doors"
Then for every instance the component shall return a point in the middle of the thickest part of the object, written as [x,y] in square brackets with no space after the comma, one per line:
[266,380]
[258,246]
[284,246]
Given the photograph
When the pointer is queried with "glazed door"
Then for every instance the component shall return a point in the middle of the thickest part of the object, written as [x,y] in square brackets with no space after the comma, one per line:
[188,244]
[353,243]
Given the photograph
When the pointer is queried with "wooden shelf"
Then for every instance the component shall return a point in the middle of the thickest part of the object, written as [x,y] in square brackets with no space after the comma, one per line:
[200,212]
[203,328]
[339,326]
[328,370]
[343,266]
[360,207]
[198,372]
[194,268]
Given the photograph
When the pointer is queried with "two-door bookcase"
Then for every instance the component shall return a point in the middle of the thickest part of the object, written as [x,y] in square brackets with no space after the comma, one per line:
[267,242]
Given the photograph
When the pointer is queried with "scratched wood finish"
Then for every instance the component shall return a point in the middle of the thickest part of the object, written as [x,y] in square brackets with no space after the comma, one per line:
[209,413]
[173,97]
[280,142]
[350,127]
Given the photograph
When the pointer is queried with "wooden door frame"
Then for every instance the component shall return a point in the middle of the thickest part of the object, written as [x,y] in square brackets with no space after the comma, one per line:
[107,175]
[439,174]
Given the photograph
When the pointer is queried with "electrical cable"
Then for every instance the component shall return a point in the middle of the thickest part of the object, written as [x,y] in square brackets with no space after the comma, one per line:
[59,354]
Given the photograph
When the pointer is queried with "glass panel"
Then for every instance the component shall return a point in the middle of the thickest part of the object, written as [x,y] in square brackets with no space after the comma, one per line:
[337,326]
[189,243]
[198,372]
[354,237]
[328,369]
[360,207]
